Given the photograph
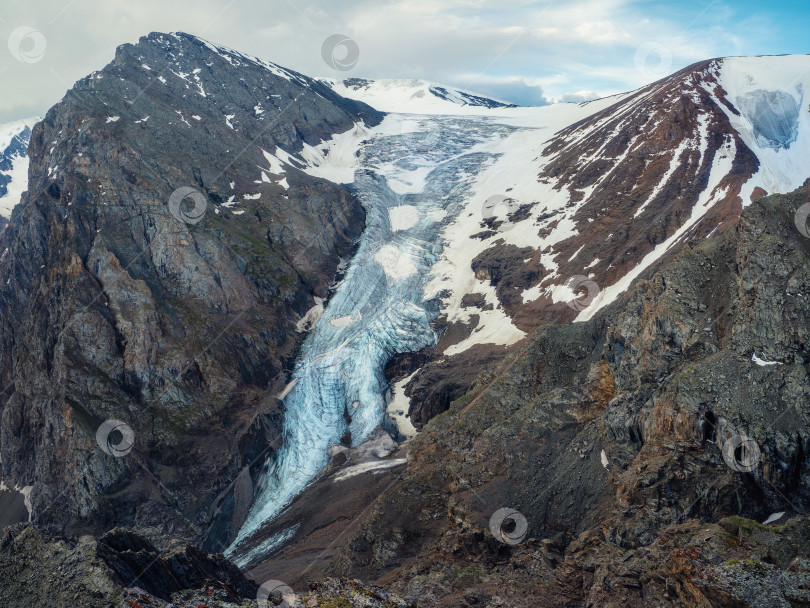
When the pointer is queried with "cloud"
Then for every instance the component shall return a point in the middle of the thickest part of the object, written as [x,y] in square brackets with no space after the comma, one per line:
[514,89]
[525,51]
[579,97]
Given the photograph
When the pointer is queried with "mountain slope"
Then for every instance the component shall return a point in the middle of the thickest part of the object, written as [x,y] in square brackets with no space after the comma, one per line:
[220,265]
[600,194]
[176,321]
[610,437]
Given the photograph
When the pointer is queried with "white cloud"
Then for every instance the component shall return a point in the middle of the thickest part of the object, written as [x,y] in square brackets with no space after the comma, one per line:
[522,50]
[579,96]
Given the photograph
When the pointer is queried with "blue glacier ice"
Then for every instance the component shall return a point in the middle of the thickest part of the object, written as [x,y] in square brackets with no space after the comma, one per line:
[378,310]
[774,116]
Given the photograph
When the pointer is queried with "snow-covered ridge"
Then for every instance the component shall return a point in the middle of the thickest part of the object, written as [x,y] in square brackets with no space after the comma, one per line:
[14,138]
[764,99]
[412,96]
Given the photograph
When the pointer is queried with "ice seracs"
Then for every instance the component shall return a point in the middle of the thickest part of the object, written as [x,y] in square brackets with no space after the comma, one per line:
[768,94]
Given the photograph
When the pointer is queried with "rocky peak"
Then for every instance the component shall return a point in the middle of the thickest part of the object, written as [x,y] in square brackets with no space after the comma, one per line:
[176,322]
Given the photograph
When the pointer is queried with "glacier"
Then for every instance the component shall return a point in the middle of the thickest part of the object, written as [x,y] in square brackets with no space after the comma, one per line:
[422,173]
[424,177]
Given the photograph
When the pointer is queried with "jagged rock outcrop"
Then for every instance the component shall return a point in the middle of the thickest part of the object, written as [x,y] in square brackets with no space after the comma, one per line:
[123,570]
[178,323]
[113,570]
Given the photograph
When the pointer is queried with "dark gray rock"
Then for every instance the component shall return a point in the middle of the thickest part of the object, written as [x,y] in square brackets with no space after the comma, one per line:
[112,308]
[606,435]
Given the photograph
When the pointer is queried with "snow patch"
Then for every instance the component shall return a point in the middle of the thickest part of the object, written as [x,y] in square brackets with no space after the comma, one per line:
[774,517]
[763,362]
[395,263]
[403,217]
[399,407]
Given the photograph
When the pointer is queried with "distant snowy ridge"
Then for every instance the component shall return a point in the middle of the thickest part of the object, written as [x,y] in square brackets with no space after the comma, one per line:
[14,138]
[413,96]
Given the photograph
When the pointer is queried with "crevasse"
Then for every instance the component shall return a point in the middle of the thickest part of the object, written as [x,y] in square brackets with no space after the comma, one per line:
[379,308]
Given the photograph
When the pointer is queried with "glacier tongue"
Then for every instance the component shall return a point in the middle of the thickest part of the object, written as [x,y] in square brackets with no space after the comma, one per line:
[380,308]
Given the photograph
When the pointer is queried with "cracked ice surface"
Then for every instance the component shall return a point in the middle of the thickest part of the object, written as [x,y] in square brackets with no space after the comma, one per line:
[379,309]
[774,116]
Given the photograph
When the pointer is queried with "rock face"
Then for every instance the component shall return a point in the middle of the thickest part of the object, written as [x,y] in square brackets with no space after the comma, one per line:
[113,570]
[123,570]
[177,323]
[615,439]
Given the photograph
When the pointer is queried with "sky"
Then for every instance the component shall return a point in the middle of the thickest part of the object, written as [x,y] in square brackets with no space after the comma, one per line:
[526,52]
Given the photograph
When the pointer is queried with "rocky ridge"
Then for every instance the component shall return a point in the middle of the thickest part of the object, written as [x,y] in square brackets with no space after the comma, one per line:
[179,326]
[609,436]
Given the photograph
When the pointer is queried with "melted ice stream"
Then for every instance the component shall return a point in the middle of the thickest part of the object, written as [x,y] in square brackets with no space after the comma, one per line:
[412,184]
